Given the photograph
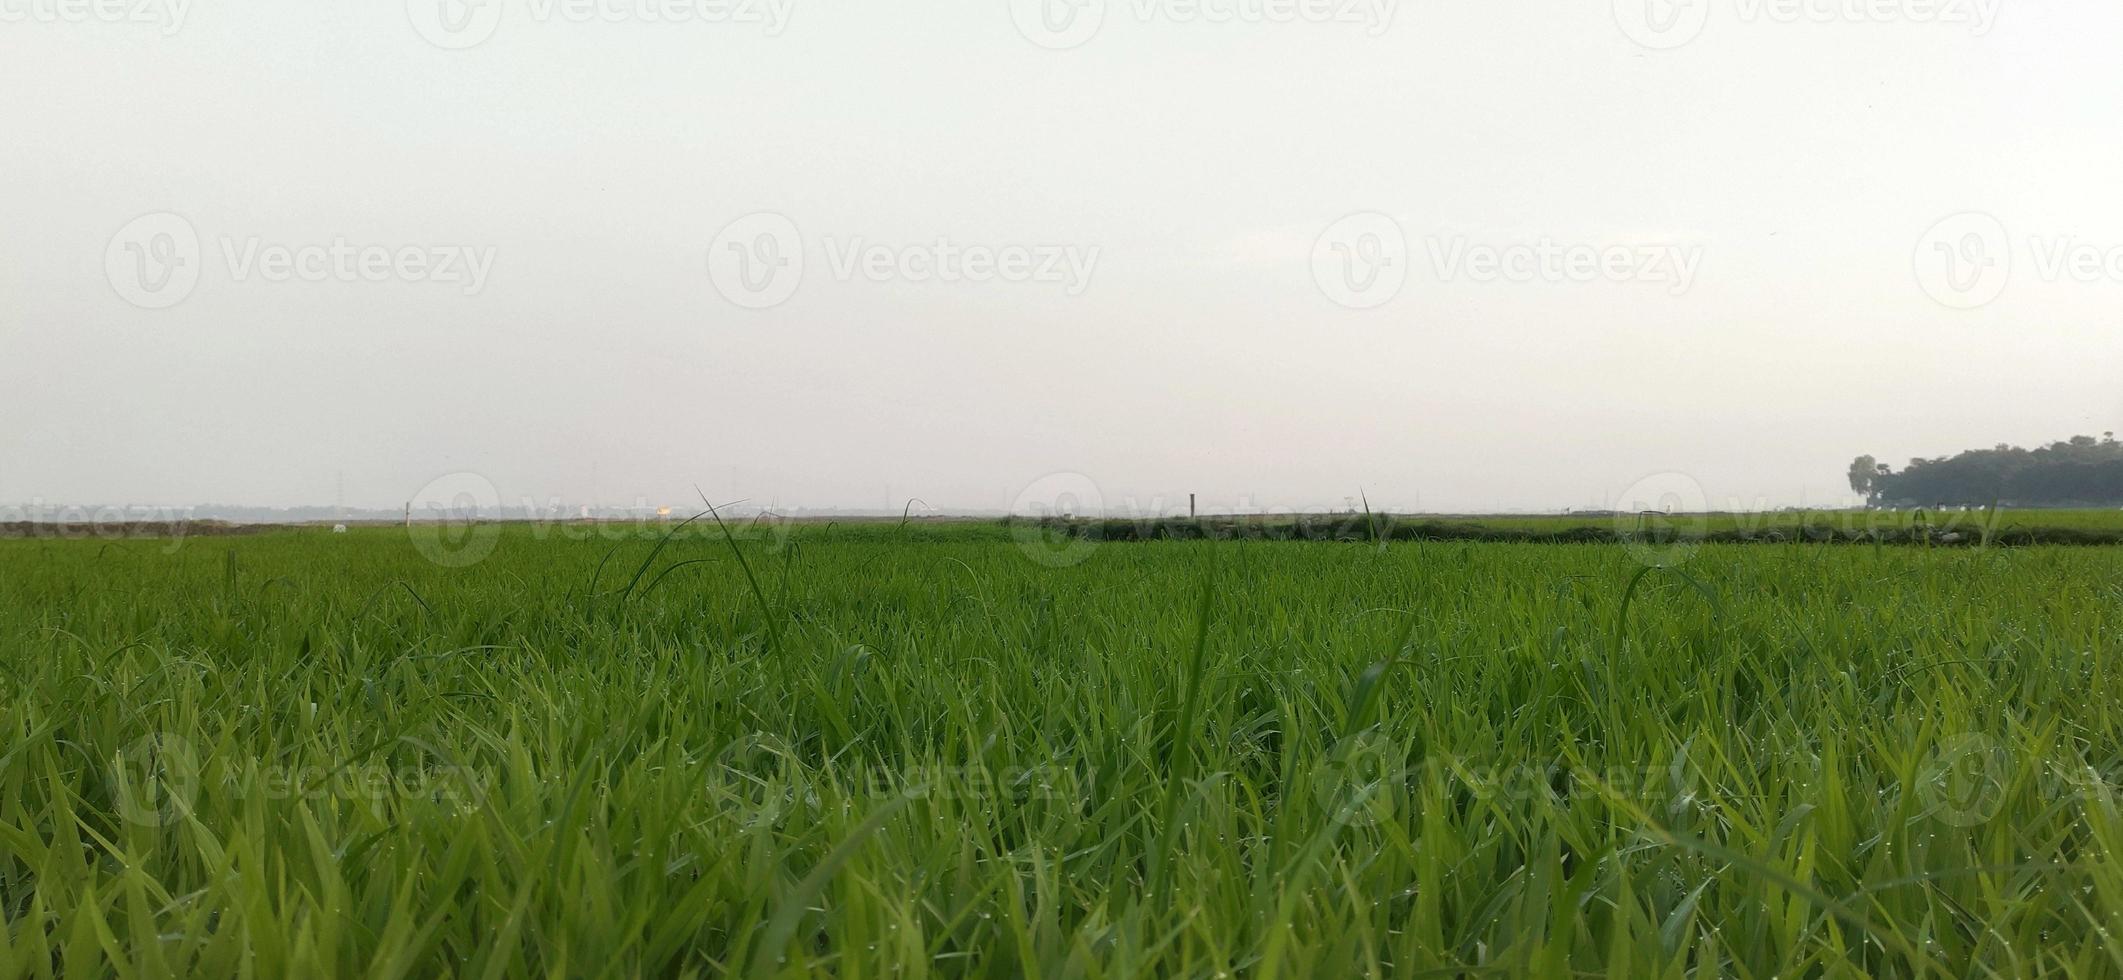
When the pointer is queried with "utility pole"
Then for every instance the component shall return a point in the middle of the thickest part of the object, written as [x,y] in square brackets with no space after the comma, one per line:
[1190,507]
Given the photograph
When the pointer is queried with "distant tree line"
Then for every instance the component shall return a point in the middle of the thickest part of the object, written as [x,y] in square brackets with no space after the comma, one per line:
[2079,472]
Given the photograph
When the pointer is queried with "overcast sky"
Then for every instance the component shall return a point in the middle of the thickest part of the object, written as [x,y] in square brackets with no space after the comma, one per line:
[1454,254]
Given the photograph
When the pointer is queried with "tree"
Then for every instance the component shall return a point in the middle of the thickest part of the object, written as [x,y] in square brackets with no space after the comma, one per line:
[1863,472]
[2081,471]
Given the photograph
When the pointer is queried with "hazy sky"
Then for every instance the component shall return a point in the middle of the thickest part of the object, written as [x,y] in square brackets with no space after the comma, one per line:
[822,253]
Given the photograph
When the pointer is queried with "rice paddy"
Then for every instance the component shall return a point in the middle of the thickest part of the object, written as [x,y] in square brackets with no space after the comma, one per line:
[972,750]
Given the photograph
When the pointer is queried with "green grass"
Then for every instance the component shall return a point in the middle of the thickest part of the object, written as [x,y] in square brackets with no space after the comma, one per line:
[878,751]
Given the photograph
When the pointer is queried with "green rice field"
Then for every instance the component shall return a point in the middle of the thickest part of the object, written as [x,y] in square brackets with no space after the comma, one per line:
[977,750]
